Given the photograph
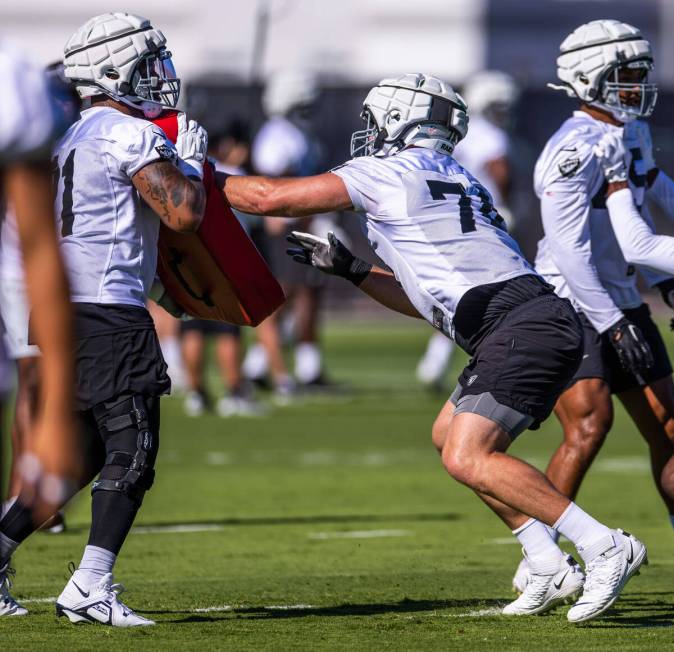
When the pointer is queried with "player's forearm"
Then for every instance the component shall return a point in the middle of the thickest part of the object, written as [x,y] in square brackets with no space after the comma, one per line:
[51,321]
[639,244]
[382,286]
[289,197]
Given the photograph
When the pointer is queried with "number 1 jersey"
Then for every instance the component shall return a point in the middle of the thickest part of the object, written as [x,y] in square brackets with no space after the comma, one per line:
[434,225]
[108,234]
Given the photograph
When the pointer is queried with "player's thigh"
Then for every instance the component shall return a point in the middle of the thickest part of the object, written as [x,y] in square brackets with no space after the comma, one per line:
[440,428]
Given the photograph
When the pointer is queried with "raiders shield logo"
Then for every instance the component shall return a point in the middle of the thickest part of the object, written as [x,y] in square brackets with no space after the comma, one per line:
[166,152]
[568,167]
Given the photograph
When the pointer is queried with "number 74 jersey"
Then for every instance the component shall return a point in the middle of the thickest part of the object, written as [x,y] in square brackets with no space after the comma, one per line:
[108,234]
[434,225]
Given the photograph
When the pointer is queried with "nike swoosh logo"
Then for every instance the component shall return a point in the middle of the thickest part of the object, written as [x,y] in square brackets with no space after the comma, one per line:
[558,585]
[84,595]
[630,557]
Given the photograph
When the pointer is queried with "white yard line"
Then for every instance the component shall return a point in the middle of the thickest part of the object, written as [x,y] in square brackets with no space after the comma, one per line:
[37,600]
[359,534]
[177,528]
[272,607]
[504,541]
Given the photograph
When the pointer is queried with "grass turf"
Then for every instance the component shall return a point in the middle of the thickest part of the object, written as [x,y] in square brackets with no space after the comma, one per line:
[330,524]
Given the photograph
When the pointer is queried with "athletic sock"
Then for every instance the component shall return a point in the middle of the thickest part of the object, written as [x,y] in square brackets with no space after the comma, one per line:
[537,542]
[255,363]
[112,515]
[7,548]
[308,362]
[95,563]
[582,530]
[17,523]
[553,533]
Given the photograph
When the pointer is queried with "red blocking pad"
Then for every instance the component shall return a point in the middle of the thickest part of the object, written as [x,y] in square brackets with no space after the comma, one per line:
[217,272]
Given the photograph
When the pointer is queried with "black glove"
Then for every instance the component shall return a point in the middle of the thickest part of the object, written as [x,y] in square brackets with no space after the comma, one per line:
[667,291]
[633,351]
[330,256]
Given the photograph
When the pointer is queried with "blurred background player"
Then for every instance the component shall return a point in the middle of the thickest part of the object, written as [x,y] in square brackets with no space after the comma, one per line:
[229,148]
[285,145]
[49,464]
[491,97]
[14,311]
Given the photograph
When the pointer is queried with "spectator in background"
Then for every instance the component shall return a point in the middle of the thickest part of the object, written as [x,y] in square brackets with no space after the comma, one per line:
[285,146]
[491,96]
[230,150]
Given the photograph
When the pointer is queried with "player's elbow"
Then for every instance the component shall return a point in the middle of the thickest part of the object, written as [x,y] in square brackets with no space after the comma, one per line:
[194,209]
[636,252]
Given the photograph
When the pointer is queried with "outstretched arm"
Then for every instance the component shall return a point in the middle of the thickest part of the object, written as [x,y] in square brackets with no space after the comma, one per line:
[289,197]
[332,257]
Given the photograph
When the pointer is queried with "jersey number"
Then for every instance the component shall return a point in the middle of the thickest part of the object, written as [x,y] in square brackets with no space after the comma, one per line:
[67,173]
[439,191]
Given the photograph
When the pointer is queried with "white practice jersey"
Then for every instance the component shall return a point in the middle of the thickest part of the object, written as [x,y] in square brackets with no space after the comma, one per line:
[434,225]
[108,234]
[483,143]
[579,253]
[281,148]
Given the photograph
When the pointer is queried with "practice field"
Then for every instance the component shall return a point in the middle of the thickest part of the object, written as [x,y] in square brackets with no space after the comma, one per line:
[331,524]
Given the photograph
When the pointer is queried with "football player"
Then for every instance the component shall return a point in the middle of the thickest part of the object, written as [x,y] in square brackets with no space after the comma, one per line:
[491,96]
[455,265]
[29,120]
[285,146]
[604,64]
[118,176]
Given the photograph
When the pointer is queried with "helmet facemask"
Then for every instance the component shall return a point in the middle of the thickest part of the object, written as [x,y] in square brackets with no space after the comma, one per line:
[365,142]
[154,84]
[626,92]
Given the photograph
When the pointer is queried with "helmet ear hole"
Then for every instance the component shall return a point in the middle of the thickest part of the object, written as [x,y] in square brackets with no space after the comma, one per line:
[111,73]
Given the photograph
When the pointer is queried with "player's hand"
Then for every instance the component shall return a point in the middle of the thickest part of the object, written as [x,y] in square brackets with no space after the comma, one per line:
[610,152]
[639,132]
[192,145]
[666,288]
[633,351]
[330,256]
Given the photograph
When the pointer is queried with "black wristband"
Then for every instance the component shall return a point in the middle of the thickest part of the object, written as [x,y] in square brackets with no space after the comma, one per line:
[358,270]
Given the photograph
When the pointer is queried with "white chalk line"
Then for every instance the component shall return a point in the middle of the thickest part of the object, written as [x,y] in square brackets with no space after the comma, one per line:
[38,600]
[359,534]
[178,528]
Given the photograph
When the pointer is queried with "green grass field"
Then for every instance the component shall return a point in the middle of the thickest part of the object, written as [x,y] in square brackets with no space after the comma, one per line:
[332,525]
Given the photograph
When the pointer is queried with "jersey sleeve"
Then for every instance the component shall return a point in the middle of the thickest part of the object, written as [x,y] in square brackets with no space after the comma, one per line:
[566,201]
[26,109]
[147,145]
[367,180]
[639,244]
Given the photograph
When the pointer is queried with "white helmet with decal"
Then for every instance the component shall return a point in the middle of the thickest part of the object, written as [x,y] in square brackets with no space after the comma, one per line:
[121,55]
[591,59]
[413,109]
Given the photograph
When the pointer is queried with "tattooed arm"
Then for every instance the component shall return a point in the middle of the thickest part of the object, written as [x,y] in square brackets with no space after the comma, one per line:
[178,200]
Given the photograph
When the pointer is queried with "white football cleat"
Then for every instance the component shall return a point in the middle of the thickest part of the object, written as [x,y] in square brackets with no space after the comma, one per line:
[618,557]
[97,603]
[550,584]
[8,605]
[522,575]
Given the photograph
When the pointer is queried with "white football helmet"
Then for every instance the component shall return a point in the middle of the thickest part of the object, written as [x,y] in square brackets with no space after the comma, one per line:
[413,109]
[591,59]
[289,89]
[121,55]
[492,94]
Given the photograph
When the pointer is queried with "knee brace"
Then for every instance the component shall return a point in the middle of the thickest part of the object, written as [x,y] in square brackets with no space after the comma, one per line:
[131,447]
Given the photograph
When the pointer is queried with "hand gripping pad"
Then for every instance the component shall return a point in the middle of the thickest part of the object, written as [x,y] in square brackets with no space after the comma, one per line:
[217,272]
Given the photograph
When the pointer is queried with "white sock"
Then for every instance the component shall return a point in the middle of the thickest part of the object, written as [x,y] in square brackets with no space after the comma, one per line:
[434,363]
[255,364]
[7,548]
[537,542]
[308,362]
[95,563]
[581,529]
[7,505]
[553,533]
